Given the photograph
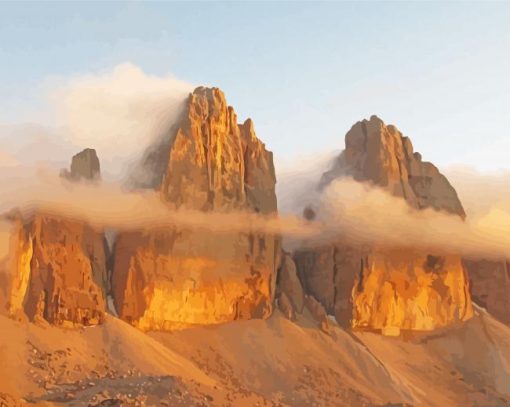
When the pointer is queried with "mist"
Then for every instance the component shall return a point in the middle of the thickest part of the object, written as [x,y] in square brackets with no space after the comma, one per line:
[347,212]
[359,213]
[355,213]
[109,204]
[119,113]
[123,111]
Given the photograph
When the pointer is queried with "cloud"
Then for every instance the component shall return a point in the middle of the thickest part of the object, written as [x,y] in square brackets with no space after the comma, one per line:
[347,211]
[43,191]
[478,191]
[358,213]
[119,112]
[31,144]
[6,160]
[363,214]
[298,179]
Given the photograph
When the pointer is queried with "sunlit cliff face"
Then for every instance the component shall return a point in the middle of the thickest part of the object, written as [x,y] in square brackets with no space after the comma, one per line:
[196,227]
[397,290]
[367,285]
[179,276]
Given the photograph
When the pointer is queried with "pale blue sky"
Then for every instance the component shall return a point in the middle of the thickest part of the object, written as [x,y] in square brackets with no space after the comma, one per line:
[305,72]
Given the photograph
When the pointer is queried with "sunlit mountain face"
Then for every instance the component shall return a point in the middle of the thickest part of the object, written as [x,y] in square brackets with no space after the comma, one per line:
[165,242]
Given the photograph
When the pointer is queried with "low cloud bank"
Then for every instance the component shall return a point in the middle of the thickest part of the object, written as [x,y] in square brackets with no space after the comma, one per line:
[119,112]
[123,111]
[363,214]
[360,213]
[109,205]
[346,211]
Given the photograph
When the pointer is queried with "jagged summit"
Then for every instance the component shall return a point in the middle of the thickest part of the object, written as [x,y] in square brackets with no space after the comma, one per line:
[227,163]
[209,163]
[381,154]
[385,289]
[84,165]
[208,148]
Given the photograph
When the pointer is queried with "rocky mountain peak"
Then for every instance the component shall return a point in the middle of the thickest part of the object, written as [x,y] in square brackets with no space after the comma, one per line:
[379,288]
[210,163]
[84,166]
[380,154]
[228,166]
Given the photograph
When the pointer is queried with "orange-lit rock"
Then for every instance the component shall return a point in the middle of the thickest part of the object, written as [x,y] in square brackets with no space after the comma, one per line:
[60,272]
[166,278]
[58,266]
[381,155]
[376,288]
[400,290]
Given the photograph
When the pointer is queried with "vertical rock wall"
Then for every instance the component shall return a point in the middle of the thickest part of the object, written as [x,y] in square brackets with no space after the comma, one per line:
[377,288]
[164,279]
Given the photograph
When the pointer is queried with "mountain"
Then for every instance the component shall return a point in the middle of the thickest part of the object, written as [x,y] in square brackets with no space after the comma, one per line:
[163,279]
[380,154]
[59,264]
[192,317]
[379,288]
[84,166]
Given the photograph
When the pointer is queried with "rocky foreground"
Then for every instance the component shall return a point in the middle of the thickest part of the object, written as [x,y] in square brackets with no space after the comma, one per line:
[267,363]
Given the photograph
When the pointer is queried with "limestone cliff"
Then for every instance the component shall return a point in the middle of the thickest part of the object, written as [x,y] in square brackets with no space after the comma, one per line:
[60,272]
[59,267]
[166,278]
[372,287]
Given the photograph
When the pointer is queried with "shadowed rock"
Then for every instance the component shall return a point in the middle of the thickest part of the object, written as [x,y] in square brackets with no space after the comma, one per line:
[84,165]
[490,286]
[289,285]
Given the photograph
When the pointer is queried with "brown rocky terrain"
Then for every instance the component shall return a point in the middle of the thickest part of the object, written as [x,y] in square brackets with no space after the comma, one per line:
[163,279]
[381,288]
[273,362]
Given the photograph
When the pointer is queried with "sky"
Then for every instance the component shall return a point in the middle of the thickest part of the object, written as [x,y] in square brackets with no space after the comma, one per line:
[305,72]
